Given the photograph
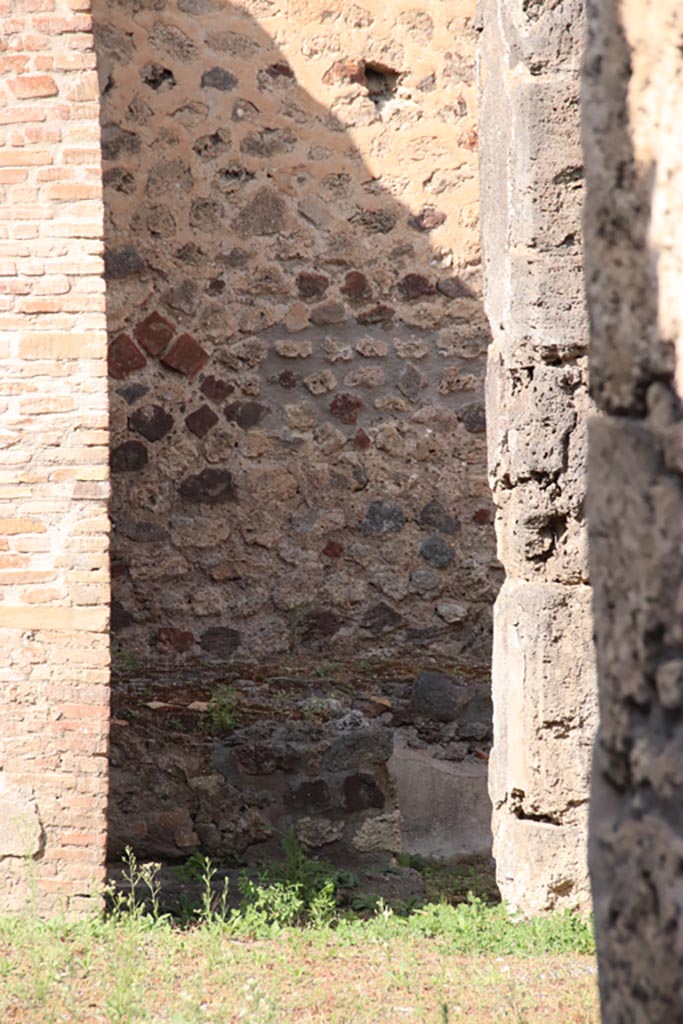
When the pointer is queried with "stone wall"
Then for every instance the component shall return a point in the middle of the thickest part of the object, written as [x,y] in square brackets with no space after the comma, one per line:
[537,409]
[363,765]
[296,334]
[54,569]
[632,115]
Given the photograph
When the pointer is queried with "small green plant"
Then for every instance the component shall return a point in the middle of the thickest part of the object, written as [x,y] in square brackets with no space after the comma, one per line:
[299,890]
[279,701]
[126,661]
[313,710]
[192,870]
[298,612]
[212,908]
[224,714]
[452,883]
[322,671]
[142,898]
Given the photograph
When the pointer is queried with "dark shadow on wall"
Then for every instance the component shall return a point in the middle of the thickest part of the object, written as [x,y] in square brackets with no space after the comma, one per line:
[297,343]
[635,489]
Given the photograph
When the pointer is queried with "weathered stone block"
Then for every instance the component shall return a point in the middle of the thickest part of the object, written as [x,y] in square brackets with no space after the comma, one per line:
[546,167]
[635,523]
[152,421]
[21,831]
[209,487]
[545,703]
[546,35]
[129,457]
[623,150]
[439,697]
[542,867]
[445,811]
[379,834]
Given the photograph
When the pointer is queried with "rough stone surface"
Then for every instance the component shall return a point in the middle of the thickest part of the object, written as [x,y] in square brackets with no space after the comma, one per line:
[537,406]
[632,108]
[277,229]
[21,833]
[360,772]
[544,724]
[439,800]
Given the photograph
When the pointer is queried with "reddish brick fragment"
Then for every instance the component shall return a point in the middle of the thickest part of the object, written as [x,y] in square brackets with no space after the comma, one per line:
[124,357]
[361,439]
[379,314]
[356,286]
[482,516]
[201,421]
[154,333]
[333,549]
[415,286]
[171,639]
[186,355]
[216,389]
[346,407]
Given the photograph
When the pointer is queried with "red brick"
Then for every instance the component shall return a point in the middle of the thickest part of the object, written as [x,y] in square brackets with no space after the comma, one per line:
[124,357]
[16,62]
[14,526]
[33,158]
[27,87]
[201,421]
[17,115]
[169,638]
[74,190]
[154,333]
[186,355]
[12,176]
[60,25]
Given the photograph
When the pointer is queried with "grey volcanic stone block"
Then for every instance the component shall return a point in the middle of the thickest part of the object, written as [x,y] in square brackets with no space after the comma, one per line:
[445,811]
[439,697]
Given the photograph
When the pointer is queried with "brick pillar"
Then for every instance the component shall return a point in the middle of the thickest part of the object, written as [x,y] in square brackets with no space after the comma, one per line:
[633,142]
[537,407]
[54,575]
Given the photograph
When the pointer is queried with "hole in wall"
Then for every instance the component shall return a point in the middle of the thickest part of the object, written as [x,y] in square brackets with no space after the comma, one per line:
[156,76]
[382,82]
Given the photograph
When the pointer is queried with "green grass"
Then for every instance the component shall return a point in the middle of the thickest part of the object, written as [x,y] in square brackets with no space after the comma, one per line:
[291,952]
[467,963]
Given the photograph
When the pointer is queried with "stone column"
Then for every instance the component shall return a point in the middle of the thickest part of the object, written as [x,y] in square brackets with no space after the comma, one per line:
[633,142]
[537,407]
